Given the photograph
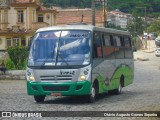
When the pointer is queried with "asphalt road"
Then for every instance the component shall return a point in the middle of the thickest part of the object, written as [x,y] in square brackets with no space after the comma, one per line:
[142,95]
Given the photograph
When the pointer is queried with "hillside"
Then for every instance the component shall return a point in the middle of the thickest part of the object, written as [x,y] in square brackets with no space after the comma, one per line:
[128,6]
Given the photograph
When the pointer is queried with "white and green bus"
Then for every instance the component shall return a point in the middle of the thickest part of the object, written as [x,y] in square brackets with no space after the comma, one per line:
[79,60]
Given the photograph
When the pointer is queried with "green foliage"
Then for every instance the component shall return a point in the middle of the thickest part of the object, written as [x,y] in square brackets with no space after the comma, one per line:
[128,6]
[110,25]
[9,64]
[18,55]
[68,3]
[136,26]
[154,27]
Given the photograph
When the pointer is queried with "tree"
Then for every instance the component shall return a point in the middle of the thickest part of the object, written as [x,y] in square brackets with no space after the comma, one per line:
[154,27]
[18,55]
[136,26]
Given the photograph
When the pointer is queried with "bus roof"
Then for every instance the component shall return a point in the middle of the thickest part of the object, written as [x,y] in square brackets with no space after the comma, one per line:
[83,27]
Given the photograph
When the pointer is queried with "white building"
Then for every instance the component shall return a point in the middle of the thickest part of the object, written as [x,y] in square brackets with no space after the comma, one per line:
[118,18]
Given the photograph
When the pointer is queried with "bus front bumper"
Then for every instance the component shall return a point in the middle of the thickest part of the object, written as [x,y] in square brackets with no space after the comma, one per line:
[63,88]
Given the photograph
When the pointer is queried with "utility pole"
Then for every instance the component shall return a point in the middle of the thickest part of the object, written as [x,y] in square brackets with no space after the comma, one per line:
[104,11]
[93,12]
[145,12]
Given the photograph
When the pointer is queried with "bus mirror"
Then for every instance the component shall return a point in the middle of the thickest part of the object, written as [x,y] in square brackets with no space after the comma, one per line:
[134,48]
[30,43]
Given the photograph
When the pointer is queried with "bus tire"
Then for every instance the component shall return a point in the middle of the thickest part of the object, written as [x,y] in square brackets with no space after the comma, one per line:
[39,98]
[118,90]
[91,98]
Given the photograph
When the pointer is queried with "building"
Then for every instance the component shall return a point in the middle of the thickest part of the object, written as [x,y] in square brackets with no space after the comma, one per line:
[118,18]
[19,19]
[68,16]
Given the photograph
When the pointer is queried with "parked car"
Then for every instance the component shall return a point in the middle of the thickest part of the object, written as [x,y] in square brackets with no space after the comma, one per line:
[152,35]
[157,52]
[157,41]
[145,37]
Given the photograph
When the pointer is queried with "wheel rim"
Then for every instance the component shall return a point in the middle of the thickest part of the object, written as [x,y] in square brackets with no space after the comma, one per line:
[120,88]
[93,92]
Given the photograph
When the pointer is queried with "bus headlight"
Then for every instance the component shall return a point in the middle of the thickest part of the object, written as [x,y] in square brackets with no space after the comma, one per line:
[82,77]
[31,78]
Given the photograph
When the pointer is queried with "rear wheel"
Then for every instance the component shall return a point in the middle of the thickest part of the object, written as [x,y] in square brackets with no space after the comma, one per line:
[39,98]
[116,91]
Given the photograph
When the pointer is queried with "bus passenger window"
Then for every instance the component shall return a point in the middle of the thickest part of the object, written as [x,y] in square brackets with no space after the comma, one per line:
[119,50]
[97,49]
[108,48]
[128,48]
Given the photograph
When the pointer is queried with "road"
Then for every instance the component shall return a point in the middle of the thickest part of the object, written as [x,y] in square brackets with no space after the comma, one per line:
[142,95]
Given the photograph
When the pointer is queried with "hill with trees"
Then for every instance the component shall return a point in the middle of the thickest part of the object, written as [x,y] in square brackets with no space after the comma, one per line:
[127,6]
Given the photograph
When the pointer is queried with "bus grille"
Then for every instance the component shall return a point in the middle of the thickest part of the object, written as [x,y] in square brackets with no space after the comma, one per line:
[55,88]
[56,78]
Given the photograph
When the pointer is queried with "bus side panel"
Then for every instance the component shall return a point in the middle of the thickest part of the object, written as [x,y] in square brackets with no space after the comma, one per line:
[129,76]
[103,72]
[108,74]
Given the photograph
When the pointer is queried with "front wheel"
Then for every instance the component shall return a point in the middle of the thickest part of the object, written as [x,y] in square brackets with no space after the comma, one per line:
[39,98]
[92,96]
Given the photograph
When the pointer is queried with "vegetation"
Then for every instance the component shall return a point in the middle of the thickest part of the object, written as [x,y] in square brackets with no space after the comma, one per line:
[136,26]
[9,64]
[68,3]
[134,7]
[127,6]
[154,27]
[18,57]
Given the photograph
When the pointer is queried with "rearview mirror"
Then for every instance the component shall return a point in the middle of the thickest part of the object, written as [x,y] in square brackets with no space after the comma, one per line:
[30,42]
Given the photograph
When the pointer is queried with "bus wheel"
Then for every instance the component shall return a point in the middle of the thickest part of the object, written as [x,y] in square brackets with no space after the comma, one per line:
[118,90]
[92,96]
[39,98]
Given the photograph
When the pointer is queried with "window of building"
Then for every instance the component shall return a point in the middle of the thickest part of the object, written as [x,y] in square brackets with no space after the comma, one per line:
[20,16]
[15,41]
[8,42]
[23,42]
[40,18]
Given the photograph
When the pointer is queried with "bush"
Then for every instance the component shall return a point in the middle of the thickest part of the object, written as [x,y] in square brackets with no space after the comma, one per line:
[18,54]
[9,64]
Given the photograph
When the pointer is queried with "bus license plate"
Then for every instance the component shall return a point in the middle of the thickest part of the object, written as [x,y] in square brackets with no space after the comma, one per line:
[56,94]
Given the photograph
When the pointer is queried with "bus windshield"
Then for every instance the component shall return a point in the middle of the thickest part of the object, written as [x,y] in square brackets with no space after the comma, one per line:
[60,48]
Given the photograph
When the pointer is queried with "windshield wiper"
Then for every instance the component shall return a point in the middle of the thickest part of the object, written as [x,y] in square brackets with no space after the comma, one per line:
[46,59]
[62,59]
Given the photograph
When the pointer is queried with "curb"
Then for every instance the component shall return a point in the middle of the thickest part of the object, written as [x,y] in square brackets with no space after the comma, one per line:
[149,51]
[142,59]
[13,75]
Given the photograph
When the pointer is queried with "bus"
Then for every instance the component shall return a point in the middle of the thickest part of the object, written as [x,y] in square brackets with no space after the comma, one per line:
[73,60]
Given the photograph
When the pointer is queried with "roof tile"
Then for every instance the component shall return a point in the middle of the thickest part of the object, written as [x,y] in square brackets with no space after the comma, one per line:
[75,16]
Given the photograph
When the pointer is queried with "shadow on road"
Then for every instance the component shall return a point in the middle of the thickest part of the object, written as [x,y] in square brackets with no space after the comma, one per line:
[74,100]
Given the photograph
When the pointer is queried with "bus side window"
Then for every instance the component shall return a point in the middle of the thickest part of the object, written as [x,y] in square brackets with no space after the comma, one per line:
[108,47]
[97,48]
[119,49]
[111,40]
[127,47]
